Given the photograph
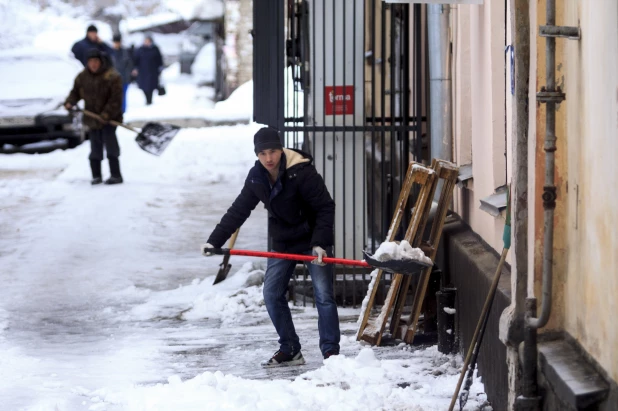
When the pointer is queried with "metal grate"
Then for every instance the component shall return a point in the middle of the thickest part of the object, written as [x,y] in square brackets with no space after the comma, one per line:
[351,85]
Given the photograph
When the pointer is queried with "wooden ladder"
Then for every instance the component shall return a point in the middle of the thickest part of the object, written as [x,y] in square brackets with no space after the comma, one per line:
[371,330]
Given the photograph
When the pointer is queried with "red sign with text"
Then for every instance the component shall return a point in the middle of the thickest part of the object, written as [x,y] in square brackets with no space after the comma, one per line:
[339,100]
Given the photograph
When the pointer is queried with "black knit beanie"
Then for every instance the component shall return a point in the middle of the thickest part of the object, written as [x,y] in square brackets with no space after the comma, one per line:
[94,53]
[266,138]
[92,27]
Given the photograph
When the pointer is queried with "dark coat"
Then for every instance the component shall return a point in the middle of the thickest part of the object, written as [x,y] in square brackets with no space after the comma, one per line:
[101,92]
[149,63]
[123,64]
[301,212]
[81,48]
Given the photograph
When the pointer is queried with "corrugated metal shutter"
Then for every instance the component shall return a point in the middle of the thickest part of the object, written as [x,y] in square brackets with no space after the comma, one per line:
[268,62]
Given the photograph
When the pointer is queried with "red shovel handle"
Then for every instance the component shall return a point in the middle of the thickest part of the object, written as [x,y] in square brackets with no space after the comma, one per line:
[284,256]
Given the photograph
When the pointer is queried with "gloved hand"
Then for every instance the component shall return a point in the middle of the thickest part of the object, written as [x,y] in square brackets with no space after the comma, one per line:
[320,253]
[205,253]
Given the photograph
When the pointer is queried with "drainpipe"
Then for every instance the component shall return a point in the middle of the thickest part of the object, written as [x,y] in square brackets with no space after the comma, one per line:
[440,108]
[530,400]
[550,95]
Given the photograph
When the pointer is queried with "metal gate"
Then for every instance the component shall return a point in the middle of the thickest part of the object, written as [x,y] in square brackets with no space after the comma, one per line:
[349,92]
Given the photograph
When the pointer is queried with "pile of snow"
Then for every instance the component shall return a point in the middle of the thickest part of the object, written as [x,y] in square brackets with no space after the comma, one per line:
[237,298]
[239,105]
[186,102]
[204,68]
[424,381]
[392,250]
[53,25]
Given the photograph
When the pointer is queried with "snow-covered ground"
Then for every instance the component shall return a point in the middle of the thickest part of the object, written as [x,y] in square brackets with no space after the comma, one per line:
[108,304]
[186,104]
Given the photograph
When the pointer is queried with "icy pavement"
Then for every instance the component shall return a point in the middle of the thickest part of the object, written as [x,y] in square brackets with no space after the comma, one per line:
[107,304]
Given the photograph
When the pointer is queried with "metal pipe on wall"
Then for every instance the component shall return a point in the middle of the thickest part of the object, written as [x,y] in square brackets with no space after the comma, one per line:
[440,84]
[549,189]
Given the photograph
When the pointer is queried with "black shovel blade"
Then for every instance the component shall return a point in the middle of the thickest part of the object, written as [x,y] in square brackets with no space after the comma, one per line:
[222,274]
[155,137]
[405,266]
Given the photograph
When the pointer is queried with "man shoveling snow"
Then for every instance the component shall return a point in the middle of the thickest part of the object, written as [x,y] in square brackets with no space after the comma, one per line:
[301,215]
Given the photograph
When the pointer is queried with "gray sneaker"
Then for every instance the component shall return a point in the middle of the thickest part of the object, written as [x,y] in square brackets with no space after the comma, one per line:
[280,359]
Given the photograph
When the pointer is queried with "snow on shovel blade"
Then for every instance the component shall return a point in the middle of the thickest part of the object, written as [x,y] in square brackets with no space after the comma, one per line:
[155,137]
[405,266]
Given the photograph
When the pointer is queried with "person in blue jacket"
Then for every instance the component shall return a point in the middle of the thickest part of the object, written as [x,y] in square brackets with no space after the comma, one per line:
[92,41]
[301,216]
[148,66]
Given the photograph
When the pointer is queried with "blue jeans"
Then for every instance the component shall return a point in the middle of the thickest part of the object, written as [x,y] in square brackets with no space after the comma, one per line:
[276,280]
[125,87]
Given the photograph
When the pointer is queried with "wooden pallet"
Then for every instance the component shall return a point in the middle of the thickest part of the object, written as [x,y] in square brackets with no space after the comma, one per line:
[447,173]
[371,330]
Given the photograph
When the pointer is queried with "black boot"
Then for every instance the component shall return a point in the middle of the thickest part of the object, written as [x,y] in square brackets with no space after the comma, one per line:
[114,169]
[95,166]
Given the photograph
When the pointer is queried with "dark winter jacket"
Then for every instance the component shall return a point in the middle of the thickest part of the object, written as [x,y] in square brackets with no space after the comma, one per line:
[123,64]
[81,48]
[301,212]
[149,63]
[101,92]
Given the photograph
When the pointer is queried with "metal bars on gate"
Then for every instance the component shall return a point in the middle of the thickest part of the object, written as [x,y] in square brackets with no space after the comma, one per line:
[353,98]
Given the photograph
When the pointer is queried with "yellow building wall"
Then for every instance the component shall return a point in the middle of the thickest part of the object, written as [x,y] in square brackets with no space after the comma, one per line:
[479,93]
[591,84]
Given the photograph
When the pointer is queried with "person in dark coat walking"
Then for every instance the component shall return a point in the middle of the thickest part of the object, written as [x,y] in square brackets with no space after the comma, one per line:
[92,41]
[124,66]
[301,215]
[148,67]
[100,86]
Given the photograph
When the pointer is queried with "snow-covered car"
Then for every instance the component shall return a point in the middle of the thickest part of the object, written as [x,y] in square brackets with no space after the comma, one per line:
[34,84]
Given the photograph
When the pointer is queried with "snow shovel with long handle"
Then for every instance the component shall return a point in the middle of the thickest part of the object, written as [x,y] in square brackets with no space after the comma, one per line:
[225,266]
[152,138]
[404,266]
[467,371]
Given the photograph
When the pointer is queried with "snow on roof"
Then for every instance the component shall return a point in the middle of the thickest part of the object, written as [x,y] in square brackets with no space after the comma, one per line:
[146,22]
[197,9]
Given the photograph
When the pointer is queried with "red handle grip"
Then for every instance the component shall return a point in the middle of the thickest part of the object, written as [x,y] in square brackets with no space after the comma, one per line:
[300,257]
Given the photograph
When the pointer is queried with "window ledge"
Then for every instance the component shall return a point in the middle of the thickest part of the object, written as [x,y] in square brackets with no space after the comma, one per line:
[465,175]
[495,203]
[573,379]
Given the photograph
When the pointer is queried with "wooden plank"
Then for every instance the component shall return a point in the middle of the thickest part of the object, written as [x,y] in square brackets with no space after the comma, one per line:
[396,221]
[448,172]
[424,203]
[425,177]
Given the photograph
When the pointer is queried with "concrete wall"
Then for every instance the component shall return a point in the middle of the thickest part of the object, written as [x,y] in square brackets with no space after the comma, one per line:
[591,85]
[469,264]
[239,42]
[479,96]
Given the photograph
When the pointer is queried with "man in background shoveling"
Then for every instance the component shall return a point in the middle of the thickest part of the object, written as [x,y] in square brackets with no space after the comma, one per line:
[301,215]
[100,86]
